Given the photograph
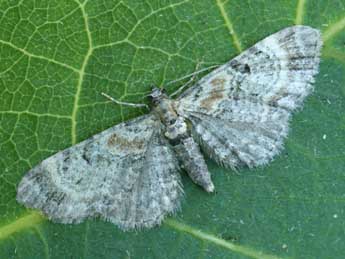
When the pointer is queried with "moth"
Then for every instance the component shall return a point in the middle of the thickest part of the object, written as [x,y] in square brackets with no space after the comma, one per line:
[237,115]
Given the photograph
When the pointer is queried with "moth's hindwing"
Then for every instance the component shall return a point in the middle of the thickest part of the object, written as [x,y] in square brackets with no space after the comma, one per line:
[240,111]
[126,174]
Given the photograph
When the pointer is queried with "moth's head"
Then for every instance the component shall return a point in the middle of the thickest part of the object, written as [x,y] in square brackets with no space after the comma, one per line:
[157,94]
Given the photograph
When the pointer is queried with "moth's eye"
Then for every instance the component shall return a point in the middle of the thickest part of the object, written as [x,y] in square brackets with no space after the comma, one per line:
[164,91]
[172,121]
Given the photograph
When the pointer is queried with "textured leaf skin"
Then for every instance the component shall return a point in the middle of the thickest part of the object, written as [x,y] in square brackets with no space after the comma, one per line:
[58,56]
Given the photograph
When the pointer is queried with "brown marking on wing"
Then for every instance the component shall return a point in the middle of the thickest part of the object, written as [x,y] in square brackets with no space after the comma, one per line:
[218,82]
[216,93]
[123,143]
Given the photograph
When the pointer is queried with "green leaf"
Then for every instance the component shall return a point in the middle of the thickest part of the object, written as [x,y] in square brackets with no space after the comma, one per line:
[57,56]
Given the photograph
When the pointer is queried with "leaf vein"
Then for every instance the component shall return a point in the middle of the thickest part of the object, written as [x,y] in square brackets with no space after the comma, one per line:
[300,11]
[334,29]
[38,56]
[44,241]
[229,25]
[21,223]
[81,75]
[219,241]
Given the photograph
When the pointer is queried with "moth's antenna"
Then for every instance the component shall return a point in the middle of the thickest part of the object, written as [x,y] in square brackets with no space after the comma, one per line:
[192,74]
[125,103]
[180,89]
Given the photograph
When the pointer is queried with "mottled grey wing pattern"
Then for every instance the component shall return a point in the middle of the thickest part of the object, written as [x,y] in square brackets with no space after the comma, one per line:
[240,111]
[127,175]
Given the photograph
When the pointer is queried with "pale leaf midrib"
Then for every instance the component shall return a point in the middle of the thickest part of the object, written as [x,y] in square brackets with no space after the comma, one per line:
[229,26]
[247,251]
[300,11]
[81,75]
[21,223]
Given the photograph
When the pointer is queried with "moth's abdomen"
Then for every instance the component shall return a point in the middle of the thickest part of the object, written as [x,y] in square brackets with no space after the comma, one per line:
[193,162]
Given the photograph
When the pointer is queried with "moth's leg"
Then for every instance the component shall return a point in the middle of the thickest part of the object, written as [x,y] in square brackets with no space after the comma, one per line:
[125,103]
[192,75]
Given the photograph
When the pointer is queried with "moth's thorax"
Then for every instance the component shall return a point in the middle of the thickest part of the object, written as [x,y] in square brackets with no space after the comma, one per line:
[176,127]
[164,108]
[166,111]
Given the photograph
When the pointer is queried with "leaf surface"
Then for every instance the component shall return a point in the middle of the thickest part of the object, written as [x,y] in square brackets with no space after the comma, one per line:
[57,56]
